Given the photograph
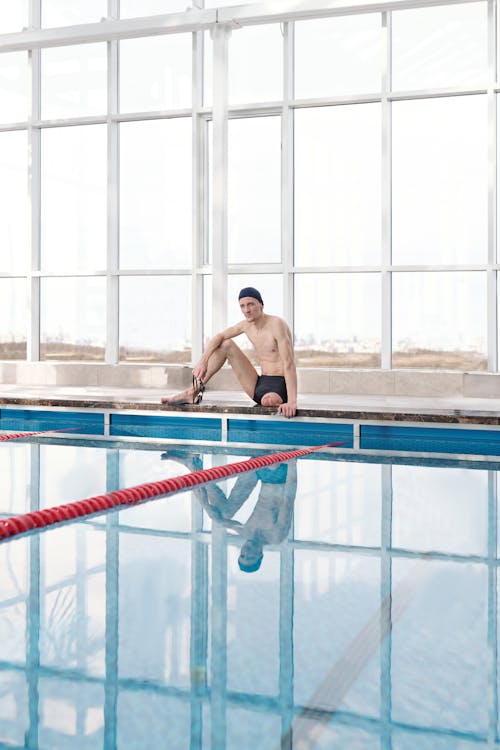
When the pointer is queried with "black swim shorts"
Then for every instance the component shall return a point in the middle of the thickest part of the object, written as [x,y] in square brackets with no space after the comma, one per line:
[270,383]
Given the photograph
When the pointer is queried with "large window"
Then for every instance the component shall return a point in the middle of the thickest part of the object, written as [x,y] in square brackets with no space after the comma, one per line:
[346,165]
[337,181]
[440,181]
[73,192]
[155,316]
[343,326]
[14,217]
[155,194]
[254,190]
[439,320]
[72,319]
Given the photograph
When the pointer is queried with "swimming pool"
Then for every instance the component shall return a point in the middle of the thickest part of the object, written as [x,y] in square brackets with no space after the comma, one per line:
[371,622]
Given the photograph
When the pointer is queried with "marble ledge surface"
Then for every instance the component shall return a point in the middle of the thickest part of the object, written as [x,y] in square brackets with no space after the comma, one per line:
[360,407]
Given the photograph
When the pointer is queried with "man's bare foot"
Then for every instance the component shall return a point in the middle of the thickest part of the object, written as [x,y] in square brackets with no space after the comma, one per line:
[191,395]
[180,399]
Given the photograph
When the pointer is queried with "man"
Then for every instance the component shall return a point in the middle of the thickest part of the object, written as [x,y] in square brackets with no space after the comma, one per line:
[271,518]
[271,337]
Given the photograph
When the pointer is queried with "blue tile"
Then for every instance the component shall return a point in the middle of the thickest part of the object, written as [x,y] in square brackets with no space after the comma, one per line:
[180,428]
[288,433]
[31,420]
[430,439]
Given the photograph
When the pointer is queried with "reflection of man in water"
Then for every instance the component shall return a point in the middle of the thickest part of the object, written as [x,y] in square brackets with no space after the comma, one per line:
[270,520]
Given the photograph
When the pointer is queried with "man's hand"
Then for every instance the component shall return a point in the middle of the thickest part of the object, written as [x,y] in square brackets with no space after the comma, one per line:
[200,370]
[287,410]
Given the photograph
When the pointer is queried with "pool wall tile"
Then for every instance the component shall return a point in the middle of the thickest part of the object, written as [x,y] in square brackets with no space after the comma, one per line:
[430,439]
[33,420]
[179,428]
[292,433]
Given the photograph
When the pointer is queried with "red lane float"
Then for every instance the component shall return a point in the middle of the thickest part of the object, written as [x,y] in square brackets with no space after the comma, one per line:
[16,435]
[38,519]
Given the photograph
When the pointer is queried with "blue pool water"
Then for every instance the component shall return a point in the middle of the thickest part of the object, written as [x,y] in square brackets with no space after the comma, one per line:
[372,621]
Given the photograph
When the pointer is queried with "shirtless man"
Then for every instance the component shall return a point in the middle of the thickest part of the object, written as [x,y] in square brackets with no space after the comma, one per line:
[271,337]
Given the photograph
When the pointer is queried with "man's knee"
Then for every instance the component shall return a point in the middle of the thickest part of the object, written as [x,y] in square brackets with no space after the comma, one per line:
[271,399]
[228,347]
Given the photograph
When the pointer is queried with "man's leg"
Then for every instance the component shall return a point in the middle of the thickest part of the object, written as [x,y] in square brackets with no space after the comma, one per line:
[242,367]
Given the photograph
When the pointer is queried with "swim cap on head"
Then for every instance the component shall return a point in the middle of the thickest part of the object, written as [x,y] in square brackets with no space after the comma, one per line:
[250,291]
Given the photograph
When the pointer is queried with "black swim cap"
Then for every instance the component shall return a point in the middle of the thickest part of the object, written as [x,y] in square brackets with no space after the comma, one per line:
[250,291]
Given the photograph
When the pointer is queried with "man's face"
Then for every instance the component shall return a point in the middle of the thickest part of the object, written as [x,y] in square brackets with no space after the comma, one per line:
[251,308]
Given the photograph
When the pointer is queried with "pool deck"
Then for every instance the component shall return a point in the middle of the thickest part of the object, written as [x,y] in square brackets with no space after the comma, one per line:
[454,410]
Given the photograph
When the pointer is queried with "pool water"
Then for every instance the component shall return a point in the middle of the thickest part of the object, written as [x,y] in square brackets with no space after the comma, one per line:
[371,620]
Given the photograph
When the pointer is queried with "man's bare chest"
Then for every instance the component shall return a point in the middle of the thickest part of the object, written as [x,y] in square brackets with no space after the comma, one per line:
[264,341]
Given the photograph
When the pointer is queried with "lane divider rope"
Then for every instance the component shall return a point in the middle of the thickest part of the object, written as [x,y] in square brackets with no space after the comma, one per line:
[17,435]
[38,519]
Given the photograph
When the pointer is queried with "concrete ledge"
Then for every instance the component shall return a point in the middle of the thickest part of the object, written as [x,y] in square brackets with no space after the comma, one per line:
[325,381]
[481,385]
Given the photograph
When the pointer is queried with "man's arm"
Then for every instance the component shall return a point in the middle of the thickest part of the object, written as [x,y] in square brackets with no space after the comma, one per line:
[200,369]
[285,348]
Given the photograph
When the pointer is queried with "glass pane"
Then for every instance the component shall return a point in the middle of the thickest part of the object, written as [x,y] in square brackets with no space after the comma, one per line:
[498,179]
[439,643]
[253,610]
[73,319]
[336,56]
[262,79]
[73,217]
[167,718]
[226,3]
[155,319]
[270,287]
[13,15]
[439,320]
[337,320]
[498,316]
[338,185]
[68,473]
[134,8]
[254,202]
[14,216]
[155,194]
[208,57]
[207,309]
[14,583]
[69,710]
[209,167]
[405,740]
[73,601]
[342,589]
[440,509]
[253,728]
[15,711]
[444,46]
[162,629]
[155,73]
[13,318]
[440,180]
[15,465]
[13,87]
[354,517]
[137,467]
[74,81]
[64,13]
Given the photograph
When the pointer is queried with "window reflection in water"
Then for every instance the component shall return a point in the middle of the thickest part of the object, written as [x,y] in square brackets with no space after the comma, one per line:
[153,621]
